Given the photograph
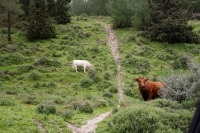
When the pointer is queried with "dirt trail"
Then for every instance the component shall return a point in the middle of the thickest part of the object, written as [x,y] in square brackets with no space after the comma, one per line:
[112,42]
[90,126]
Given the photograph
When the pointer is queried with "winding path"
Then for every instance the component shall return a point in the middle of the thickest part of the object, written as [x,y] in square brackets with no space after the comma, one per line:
[90,126]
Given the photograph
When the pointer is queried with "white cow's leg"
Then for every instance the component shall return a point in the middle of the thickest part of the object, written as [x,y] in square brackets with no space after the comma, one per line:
[76,68]
[84,68]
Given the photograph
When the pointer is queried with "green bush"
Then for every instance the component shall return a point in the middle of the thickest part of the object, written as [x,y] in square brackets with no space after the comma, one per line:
[113,89]
[92,73]
[35,75]
[30,99]
[11,91]
[6,101]
[181,87]
[45,61]
[13,59]
[24,69]
[67,113]
[148,119]
[180,61]
[101,102]
[106,75]
[103,85]
[88,96]
[46,107]
[57,100]
[85,107]
[129,92]
[107,94]
[86,82]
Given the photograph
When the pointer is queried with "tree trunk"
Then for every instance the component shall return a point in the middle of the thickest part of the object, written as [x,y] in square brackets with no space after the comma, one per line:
[9,26]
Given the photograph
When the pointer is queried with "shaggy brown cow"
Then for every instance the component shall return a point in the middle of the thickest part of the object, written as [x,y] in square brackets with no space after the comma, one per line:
[148,89]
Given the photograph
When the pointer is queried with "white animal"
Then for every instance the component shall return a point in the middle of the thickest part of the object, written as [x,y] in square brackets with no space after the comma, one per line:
[83,63]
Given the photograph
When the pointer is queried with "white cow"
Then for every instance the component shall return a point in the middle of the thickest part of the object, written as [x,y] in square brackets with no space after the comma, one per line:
[83,63]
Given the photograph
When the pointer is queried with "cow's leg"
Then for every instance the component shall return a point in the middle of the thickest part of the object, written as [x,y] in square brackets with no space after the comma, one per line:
[76,68]
[144,95]
[84,68]
[149,96]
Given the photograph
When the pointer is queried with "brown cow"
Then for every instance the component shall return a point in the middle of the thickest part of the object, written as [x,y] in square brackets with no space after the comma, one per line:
[148,89]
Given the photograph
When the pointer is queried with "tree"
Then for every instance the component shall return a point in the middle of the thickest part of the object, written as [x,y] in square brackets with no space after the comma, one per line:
[25,6]
[62,12]
[39,25]
[120,13]
[78,7]
[51,7]
[11,6]
[97,7]
[168,22]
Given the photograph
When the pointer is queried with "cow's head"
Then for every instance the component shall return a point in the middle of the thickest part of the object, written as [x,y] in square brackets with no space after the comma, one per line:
[141,82]
[92,66]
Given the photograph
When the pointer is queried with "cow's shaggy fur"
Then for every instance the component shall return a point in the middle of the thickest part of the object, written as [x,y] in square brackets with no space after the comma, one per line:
[148,89]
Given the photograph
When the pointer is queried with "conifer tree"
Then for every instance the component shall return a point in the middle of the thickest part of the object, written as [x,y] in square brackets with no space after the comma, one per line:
[51,7]
[25,6]
[39,24]
[11,6]
[168,22]
[62,12]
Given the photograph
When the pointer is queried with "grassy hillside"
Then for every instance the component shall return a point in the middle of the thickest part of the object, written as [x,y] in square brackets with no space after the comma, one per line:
[39,87]
[142,57]
[40,91]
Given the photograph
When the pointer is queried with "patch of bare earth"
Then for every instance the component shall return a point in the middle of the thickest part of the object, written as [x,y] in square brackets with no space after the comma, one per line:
[41,126]
[90,126]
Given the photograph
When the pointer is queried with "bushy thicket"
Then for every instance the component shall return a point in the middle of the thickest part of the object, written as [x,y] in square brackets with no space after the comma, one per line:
[168,22]
[47,107]
[148,118]
[39,24]
[181,86]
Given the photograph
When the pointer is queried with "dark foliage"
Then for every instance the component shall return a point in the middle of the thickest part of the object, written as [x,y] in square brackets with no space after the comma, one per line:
[168,22]
[39,25]
[62,12]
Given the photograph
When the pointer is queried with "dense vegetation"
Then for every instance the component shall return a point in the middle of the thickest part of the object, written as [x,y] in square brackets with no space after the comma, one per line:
[40,91]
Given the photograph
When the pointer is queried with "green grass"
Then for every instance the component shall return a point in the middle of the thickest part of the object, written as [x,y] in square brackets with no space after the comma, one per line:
[34,72]
[41,71]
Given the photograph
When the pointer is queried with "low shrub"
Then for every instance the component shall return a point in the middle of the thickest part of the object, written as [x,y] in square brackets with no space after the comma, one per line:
[129,92]
[106,75]
[92,73]
[51,85]
[86,82]
[142,119]
[67,113]
[113,89]
[46,107]
[181,87]
[107,94]
[57,100]
[35,75]
[45,61]
[88,96]
[85,107]
[11,91]
[13,59]
[6,101]
[24,69]
[180,61]
[30,100]
[101,102]
[103,85]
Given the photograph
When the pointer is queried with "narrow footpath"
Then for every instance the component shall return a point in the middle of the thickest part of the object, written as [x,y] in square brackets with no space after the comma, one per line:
[91,125]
